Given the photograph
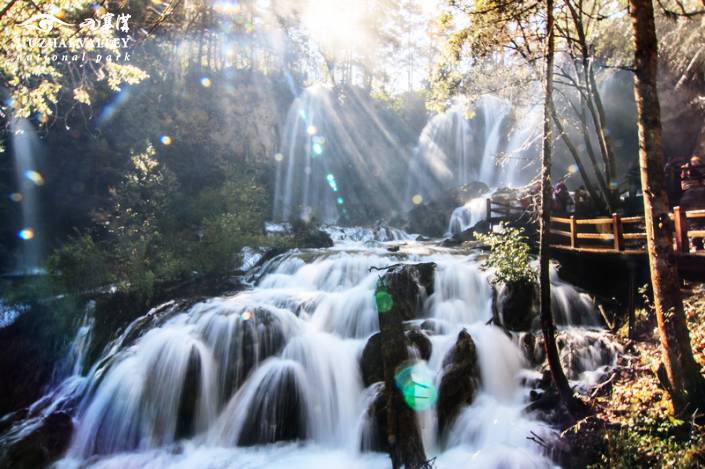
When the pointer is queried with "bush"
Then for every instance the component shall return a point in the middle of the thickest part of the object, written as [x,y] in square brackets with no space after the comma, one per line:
[509,255]
[80,264]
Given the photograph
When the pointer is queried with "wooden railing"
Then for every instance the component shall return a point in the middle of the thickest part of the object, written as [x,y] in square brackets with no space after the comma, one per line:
[623,234]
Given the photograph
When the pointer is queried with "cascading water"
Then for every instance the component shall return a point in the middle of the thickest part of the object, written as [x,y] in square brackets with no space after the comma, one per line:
[468,215]
[336,157]
[270,377]
[455,148]
[523,145]
[494,112]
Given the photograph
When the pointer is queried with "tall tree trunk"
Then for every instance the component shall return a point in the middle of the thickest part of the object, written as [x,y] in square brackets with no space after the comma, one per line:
[594,103]
[576,156]
[547,326]
[686,384]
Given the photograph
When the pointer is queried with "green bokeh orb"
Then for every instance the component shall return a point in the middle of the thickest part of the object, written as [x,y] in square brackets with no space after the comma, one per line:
[415,381]
[383,300]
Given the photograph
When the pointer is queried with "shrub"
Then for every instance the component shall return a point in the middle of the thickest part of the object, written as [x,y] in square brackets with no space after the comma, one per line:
[80,264]
[509,255]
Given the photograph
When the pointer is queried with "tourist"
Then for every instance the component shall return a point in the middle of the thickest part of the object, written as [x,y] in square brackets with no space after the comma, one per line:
[693,186]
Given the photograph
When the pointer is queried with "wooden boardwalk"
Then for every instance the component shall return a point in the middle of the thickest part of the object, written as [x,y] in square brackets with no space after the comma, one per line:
[612,235]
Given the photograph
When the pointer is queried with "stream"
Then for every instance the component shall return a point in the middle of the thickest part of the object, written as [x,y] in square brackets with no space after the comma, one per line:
[271,376]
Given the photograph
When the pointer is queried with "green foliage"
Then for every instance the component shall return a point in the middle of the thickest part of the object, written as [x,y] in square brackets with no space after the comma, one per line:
[509,255]
[629,447]
[80,264]
[33,80]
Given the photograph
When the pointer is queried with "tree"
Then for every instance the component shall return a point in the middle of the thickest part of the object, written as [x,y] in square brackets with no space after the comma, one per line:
[34,73]
[684,381]
[547,325]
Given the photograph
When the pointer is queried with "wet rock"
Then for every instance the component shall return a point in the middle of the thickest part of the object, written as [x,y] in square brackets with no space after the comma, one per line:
[409,285]
[532,346]
[467,235]
[310,236]
[31,347]
[40,446]
[406,284]
[376,439]
[517,306]
[250,342]
[278,415]
[189,397]
[460,380]
[431,218]
[371,364]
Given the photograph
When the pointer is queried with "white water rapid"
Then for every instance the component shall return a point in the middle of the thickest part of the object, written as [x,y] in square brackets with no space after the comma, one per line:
[271,377]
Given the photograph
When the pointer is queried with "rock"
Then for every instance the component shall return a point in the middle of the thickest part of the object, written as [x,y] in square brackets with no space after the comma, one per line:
[40,446]
[278,414]
[409,285]
[376,438]
[532,346]
[255,339]
[460,381]
[30,348]
[467,235]
[517,306]
[406,284]
[420,342]
[371,360]
[431,218]
[309,236]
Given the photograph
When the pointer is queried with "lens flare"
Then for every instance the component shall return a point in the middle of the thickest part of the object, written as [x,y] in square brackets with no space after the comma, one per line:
[246,316]
[35,177]
[165,139]
[278,157]
[206,82]
[16,197]
[572,169]
[311,130]
[417,199]
[340,200]
[414,380]
[317,149]
[330,177]
[383,300]
[26,234]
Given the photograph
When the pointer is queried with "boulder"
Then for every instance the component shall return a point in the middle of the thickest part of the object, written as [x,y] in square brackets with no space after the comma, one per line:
[40,446]
[431,218]
[516,304]
[467,235]
[409,285]
[371,360]
[310,236]
[460,381]
[406,285]
[375,438]
[277,415]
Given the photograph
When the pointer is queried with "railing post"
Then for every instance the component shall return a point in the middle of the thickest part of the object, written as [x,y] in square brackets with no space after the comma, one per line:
[573,232]
[680,223]
[488,208]
[618,231]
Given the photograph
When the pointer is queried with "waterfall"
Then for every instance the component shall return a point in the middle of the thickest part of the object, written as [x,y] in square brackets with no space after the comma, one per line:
[462,145]
[271,377]
[494,112]
[468,215]
[337,160]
